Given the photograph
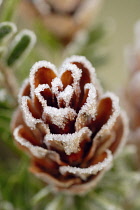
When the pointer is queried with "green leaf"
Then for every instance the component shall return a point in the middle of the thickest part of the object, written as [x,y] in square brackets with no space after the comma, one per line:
[7,29]
[21,45]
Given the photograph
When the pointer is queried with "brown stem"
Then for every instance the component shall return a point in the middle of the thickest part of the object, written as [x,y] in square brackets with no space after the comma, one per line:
[10,81]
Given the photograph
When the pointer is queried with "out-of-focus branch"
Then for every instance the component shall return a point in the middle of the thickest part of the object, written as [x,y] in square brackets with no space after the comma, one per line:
[10,81]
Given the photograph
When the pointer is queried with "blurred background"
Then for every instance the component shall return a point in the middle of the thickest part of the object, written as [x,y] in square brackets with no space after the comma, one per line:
[122,16]
[111,34]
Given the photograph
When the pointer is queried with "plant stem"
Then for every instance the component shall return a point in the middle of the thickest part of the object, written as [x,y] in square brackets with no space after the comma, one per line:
[8,9]
[10,81]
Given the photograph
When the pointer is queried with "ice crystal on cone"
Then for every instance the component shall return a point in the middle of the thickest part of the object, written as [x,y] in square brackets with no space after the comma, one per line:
[64,18]
[68,126]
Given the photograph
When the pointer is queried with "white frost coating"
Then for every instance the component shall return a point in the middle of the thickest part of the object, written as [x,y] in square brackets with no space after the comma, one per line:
[87,65]
[59,116]
[56,85]
[35,68]
[28,118]
[76,74]
[37,91]
[24,85]
[89,108]
[70,142]
[37,151]
[66,95]
[83,173]
[115,113]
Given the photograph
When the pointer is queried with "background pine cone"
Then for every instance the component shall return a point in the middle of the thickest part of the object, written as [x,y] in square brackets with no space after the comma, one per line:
[68,126]
[131,91]
[63,18]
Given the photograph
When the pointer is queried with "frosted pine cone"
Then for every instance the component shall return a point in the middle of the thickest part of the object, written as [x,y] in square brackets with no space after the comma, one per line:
[70,129]
[63,18]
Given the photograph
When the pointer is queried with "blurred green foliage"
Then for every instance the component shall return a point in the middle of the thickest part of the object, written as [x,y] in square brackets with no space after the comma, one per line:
[24,192]
[5,30]
[8,10]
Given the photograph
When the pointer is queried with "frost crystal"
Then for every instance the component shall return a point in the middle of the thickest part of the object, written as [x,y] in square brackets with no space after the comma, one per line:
[29,119]
[85,62]
[38,91]
[35,150]
[70,142]
[36,67]
[116,112]
[66,95]
[60,116]
[84,172]
[56,85]
[76,74]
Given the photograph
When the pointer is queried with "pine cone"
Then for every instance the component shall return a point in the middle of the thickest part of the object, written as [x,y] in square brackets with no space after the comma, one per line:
[63,18]
[132,89]
[68,126]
